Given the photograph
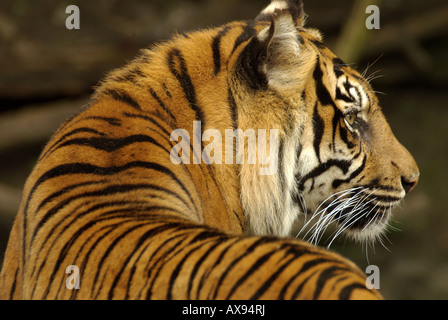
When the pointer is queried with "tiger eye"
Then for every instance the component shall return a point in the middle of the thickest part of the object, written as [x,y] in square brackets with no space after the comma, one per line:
[350,118]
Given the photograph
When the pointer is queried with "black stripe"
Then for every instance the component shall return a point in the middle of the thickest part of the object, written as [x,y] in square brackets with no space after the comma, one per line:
[151,233]
[106,216]
[343,134]
[281,168]
[287,285]
[162,105]
[325,276]
[142,207]
[248,32]
[73,168]
[104,192]
[338,182]
[338,64]
[240,220]
[343,97]
[307,266]
[112,144]
[175,59]
[110,120]
[348,86]
[318,130]
[216,50]
[112,245]
[299,150]
[165,259]
[299,289]
[205,235]
[122,96]
[131,75]
[133,269]
[335,122]
[321,91]
[64,251]
[13,287]
[153,262]
[107,253]
[112,227]
[84,168]
[341,164]
[324,97]
[267,283]
[165,134]
[65,190]
[255,266]
[86,255]
[199,263]
[233,108]
[235,261]
[167,91]
[204,277]
[175,274]
[248,66]
[319,45]
[83,129]
[347,291]
[166,171]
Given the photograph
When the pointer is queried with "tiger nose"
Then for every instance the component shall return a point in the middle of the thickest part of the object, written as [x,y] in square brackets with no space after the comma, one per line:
[409,183]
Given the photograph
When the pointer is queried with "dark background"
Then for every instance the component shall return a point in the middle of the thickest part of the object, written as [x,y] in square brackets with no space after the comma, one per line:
[47,73]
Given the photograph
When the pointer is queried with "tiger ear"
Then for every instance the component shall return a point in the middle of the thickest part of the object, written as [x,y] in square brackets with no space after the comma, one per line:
[294,7]
[274,57]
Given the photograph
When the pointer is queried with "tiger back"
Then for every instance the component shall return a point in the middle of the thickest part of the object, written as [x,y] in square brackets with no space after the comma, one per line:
[143,193]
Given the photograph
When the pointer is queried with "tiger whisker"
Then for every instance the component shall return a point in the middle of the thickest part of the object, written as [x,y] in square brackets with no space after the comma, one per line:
[327,217]
[369,65]
[349,222]
[319,211]
[337,206]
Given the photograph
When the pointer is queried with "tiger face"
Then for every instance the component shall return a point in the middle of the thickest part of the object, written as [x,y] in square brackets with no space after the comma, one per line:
[338,158]
[352,170]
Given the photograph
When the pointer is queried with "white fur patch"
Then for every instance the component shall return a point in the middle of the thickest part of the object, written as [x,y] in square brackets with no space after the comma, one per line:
[270,9]
[270,210]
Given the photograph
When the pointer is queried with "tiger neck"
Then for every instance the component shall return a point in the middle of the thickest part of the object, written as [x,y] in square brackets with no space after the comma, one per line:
[179,83]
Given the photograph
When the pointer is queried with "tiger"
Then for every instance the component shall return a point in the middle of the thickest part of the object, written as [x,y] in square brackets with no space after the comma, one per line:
[110,195]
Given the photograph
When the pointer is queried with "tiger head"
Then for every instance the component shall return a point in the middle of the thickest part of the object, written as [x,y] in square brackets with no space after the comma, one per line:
[338,160]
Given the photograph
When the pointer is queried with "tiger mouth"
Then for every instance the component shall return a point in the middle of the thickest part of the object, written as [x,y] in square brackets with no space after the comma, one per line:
[359,212]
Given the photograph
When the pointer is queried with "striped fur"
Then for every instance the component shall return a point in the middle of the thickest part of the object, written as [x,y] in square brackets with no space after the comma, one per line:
[104,195]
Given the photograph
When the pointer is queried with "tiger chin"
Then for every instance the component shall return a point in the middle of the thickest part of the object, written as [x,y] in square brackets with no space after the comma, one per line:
[106,197]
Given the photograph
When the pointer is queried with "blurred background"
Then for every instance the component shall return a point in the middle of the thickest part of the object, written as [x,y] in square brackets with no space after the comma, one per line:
[47,73]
